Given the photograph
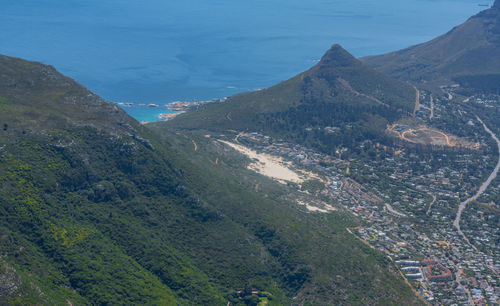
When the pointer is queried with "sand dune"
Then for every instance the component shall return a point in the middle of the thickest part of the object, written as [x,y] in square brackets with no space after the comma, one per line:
[268,165]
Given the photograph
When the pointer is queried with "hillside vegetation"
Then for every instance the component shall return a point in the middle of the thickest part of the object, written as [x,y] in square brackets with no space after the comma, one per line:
[97,209]
[339,92]
[470,49]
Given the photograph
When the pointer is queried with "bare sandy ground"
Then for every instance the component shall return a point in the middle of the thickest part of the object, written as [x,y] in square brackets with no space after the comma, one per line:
[428,135]
[268,165]
[274,167]
[325,209]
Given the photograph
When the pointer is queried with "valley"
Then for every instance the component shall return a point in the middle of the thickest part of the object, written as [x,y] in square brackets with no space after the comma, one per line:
[369,181]
[97,208]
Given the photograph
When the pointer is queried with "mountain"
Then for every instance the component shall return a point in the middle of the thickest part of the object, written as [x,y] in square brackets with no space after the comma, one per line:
[96,209]
[468,53]
[340,92]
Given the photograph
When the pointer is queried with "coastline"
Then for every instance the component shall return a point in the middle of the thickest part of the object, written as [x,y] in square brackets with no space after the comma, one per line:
[150,112]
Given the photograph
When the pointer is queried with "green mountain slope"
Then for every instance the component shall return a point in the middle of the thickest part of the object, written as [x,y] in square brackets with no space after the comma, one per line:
[338,92]
[75,176]
[97,209]
[470,50]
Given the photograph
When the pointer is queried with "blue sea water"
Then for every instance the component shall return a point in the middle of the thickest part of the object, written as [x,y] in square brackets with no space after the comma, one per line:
[159,51]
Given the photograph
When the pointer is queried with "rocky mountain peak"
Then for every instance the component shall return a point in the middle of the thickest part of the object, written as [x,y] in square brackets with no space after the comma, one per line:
[337,56]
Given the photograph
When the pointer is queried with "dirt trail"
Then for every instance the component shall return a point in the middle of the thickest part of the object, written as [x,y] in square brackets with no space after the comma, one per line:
[411,132]
[417,101]
[432,108]
[481,190]
[347,86]
[195,145]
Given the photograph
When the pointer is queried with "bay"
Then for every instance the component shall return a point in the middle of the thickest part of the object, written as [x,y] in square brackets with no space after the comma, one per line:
[159,51]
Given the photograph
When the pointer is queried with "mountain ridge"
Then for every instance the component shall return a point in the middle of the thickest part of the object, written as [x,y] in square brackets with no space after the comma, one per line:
[469,49]
[51,86]
[338,91]
[98,209]
[337,56]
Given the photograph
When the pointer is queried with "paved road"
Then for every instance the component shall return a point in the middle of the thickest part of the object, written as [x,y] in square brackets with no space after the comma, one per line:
[393,211]
[458,274]
[434,198]
[483,187]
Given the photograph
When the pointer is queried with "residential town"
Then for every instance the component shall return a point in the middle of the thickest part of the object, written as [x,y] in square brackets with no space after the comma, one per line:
[408,213]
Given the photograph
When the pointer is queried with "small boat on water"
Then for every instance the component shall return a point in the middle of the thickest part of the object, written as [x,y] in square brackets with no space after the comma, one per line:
[153,105]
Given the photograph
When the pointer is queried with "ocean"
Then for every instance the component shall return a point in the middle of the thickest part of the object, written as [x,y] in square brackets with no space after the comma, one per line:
[160,51]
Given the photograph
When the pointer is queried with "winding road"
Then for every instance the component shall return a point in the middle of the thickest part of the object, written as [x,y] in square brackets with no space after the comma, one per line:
[483,187]
[434,198]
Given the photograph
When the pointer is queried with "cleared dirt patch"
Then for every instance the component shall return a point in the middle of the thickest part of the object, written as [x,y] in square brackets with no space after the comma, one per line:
[325,208]
[429,136]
